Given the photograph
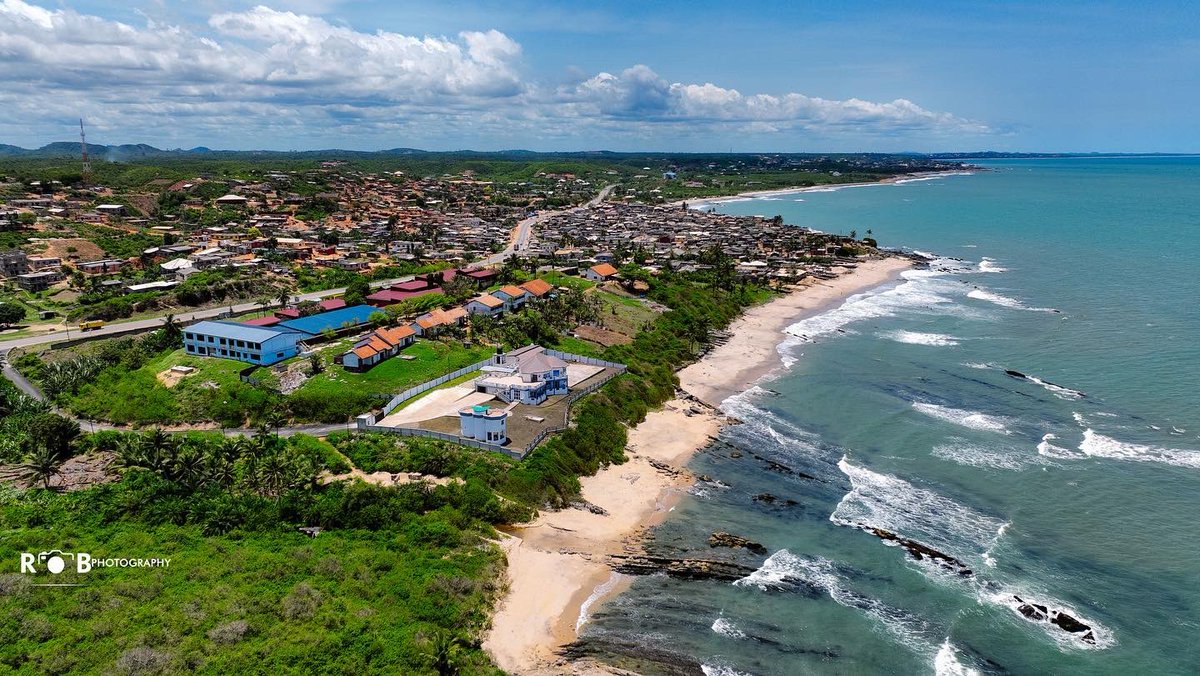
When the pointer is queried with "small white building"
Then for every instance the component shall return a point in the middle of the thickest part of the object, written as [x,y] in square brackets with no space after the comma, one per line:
[483,423]
[486,304]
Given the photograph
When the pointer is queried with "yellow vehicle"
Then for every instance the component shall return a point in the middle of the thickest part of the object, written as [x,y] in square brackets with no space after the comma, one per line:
[88,326]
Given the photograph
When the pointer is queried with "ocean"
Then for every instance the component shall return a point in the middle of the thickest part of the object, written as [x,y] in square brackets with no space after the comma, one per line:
[1027,407]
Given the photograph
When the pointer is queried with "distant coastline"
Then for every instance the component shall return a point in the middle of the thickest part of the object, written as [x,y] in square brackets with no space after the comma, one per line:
[701,202]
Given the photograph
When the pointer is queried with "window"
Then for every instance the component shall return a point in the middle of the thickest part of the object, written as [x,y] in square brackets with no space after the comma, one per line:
[279,354]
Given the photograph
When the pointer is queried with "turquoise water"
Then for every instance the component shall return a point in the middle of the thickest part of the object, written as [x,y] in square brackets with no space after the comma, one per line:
[1076,489]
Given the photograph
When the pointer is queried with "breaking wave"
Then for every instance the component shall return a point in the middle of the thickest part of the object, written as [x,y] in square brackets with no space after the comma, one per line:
[915,338]
[990,265]
[784,570]
[1051,450]
[963,452]
[1004,301]
[725,627]
[946,662]
[1097,445]
[972,419]
[893,504]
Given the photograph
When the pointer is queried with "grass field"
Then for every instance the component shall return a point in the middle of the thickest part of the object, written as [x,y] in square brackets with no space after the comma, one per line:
[432,359]
[622,314]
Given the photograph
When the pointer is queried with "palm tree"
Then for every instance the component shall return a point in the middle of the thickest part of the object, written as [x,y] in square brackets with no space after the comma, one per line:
[171,329]
[43,465]
[443,651]
[285,296]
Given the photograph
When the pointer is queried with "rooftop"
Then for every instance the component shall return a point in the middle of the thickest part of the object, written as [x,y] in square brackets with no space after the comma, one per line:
[335,319]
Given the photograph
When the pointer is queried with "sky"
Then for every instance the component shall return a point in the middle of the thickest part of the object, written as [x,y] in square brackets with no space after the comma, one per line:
[651,75]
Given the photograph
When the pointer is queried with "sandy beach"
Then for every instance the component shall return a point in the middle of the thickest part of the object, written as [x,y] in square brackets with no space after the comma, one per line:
[556,564]
[700,202]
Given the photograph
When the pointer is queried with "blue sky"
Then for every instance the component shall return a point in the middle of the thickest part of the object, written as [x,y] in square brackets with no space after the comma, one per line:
[651,75]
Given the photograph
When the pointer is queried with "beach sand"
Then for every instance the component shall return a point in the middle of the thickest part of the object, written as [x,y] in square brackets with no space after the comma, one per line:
[556,564]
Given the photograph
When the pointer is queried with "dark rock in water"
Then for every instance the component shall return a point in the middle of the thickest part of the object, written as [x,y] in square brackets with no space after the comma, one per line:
[723,539]
[783,469]
[1041,613]
[688,569]
[1016,374]
[921,552]
[735,454]
[765,498]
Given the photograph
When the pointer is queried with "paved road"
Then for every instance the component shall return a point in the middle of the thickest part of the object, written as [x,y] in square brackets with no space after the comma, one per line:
[524,228]
[182,317]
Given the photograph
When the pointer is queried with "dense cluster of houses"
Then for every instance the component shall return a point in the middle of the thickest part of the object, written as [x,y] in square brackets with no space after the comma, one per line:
[675,236]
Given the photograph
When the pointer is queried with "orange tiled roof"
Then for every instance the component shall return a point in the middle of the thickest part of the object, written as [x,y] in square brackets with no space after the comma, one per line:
[604,269]
[489,300]
[365,351]
[538,287]
[512,290]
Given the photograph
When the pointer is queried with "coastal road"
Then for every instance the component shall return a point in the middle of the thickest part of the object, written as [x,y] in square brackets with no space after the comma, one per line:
[117,328]
[524,229]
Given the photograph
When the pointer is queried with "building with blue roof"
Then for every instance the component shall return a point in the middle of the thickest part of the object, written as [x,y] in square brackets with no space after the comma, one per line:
[260,345]
[335,320]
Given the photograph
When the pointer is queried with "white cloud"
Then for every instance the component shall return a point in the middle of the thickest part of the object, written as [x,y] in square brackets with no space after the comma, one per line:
[264,77]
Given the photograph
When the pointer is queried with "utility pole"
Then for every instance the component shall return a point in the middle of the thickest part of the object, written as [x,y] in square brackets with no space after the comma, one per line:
[87,165]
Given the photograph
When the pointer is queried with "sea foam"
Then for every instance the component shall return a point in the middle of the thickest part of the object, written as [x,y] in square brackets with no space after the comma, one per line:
[1098,445]
[784,570]
[726,627]
[893,504]
[946,662]
[972,419]
[964,452]
[915,338]
[1004,301]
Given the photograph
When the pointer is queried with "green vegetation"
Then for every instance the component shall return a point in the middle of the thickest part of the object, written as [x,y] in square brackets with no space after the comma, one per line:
[396,575]
[118,381]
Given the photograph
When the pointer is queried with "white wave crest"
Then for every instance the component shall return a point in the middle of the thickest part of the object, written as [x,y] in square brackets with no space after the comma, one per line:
[720,670]
[946,663]
[1004,301]
[920,290]
[1051,450]
[963,452]
[1014,598]
[972,419]
[599,592]
[990,265]
[725,627]
[784,569]
[893,504]
[1097,445]
[915,338]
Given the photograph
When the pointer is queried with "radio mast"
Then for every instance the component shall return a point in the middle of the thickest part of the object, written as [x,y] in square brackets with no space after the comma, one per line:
[87,165]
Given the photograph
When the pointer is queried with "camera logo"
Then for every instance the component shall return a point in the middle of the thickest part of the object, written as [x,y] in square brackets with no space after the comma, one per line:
[55,561]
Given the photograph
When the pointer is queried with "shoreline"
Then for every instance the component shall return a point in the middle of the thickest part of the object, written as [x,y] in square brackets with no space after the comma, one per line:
[556,563]
[758,194]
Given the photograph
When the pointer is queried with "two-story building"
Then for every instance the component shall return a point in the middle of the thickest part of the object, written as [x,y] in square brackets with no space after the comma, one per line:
[528,375]
[260,345]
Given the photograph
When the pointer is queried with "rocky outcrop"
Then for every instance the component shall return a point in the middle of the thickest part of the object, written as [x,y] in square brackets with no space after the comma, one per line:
[1068,623]
[723,539]
[922,552]
[687,569]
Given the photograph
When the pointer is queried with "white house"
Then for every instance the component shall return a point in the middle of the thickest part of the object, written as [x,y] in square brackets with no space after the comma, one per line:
[528,375]
[514,297]
[600,273]
[485,304]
